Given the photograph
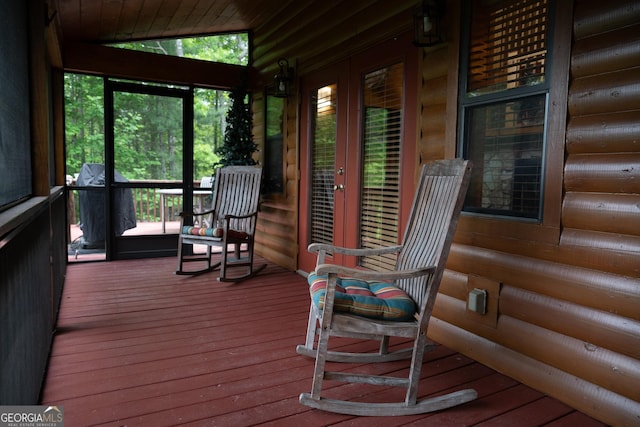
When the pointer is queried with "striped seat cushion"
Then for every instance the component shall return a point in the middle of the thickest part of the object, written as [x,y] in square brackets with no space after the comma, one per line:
[201,231]
[213,232]
[376,300]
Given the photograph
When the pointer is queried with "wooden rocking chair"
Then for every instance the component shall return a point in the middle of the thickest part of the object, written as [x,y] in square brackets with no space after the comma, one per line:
[230,221]
[399,303]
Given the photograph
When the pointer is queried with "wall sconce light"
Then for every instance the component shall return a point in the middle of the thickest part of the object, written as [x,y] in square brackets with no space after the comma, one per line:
[282,80]
[426,23]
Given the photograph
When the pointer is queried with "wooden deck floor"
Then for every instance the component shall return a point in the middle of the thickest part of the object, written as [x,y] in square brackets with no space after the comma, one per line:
[137,345]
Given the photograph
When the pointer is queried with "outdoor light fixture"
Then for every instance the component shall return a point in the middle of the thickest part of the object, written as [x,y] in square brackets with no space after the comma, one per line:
[426,23]
[282,80]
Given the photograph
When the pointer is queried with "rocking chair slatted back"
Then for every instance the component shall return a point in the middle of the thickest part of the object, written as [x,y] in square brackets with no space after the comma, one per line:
[237,192]
[431,226]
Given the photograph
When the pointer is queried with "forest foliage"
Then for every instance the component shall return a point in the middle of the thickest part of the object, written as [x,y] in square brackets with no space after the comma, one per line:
[147,128]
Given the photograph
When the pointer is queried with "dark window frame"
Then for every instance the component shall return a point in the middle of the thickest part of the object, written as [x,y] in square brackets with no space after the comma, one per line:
[468,102]
[274,146]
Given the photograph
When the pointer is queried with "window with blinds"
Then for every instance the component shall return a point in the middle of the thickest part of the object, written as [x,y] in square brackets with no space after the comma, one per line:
[504,105]
[323,146]
[382,130]
[507,45]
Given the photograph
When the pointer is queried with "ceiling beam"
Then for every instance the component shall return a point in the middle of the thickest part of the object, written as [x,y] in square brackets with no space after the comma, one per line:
[135,65]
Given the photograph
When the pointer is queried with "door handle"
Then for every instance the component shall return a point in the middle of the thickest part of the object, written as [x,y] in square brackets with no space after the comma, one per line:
[338,187]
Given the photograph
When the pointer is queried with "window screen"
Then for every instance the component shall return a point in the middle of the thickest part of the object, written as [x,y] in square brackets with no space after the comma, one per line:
[504,105]
[15,135]
[382,125]
[506,152]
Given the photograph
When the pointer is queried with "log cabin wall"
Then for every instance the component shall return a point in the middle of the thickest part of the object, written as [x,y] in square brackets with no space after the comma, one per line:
[564,295]
[563,315]
[310,36]
[602,173]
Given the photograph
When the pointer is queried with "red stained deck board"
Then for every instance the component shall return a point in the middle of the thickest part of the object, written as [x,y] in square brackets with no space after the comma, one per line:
[538,412]
[137,345]
[573,419]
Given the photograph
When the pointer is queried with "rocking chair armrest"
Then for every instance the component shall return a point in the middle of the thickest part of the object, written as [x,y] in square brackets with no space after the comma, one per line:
[373,275]
[188,213]
[249,215]
[360,252]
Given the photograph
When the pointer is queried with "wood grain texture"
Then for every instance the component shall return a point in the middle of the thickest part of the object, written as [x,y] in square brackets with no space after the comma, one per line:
[610,132]
[137,345]
[595,364]
[577,392]
[583,286]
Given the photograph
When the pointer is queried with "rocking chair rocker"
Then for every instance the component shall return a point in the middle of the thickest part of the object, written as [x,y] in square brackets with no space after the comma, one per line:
[410,292]
[230,221]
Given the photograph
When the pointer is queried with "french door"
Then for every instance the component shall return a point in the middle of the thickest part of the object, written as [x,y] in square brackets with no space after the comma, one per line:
[358,153]
[325,179]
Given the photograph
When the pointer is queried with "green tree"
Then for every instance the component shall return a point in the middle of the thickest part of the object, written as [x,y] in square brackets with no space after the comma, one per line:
[227,48]
[84,121]
[238,146]
[148,133]
[209,108]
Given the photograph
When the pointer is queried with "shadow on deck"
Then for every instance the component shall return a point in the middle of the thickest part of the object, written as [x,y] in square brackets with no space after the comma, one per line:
[136,345]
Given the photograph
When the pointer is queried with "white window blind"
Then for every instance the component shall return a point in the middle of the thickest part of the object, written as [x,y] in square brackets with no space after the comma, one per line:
[323,164]
[382,131]
[508,45]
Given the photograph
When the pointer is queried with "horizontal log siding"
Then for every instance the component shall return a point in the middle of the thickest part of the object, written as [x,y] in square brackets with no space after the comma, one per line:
[613,50]
[313,35]
[613,132]
[576,304]
[605,368]
[589,288]
[574,390]
[274,231]
[276,237]
[600,328]
[602,172]
[601,208]
[613,213]
[432,142]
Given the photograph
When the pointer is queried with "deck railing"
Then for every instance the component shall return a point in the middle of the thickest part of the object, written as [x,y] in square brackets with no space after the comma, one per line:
[147,202]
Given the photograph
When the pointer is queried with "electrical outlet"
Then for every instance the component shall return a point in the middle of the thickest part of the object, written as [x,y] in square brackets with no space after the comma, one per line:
[478,301]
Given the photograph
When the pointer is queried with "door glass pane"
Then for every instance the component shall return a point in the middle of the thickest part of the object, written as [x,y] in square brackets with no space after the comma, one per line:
[382,131]
[84,136]
[323,143]
[147,136]
[148,133]
[209,110]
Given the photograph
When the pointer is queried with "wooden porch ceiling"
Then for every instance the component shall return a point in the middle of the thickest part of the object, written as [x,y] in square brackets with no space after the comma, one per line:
[137,345]
[123,20]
